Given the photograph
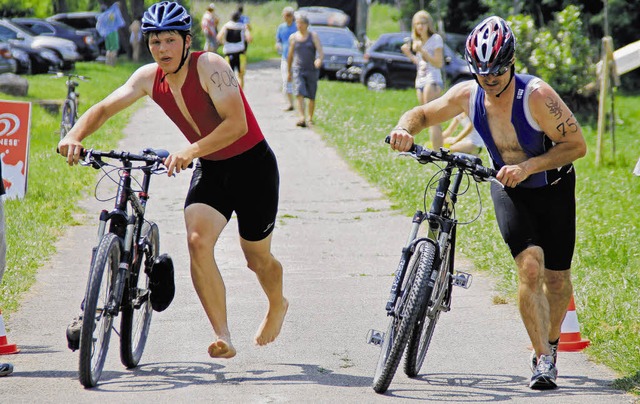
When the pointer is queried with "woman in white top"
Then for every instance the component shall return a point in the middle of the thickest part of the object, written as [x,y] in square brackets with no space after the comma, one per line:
[426,51]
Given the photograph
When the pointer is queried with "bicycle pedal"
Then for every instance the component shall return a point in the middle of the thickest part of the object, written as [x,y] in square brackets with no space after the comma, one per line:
[375,337]
[462,279]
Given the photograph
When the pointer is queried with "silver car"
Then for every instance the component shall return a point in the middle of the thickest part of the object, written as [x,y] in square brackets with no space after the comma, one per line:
[65,49]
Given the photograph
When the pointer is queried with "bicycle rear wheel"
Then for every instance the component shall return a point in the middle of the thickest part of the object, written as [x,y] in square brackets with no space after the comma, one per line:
[421,335]
[402,322]
[137,310]
[96,319]
[68,117]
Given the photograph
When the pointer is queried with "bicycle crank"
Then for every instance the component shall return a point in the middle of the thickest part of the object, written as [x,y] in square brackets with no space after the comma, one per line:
[462,279]
[375,337]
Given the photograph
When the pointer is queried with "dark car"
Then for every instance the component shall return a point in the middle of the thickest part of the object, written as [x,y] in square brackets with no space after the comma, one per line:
[327,16]
[343,59]
[83,20]
[386,65]
[34,60]
[84,40]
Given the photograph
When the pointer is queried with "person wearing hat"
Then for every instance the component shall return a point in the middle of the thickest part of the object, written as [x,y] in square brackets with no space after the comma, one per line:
[532,138]
[209,25]
[236,169]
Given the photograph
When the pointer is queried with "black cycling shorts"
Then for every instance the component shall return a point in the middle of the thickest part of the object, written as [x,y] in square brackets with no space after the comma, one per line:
[544,217]
[247,184]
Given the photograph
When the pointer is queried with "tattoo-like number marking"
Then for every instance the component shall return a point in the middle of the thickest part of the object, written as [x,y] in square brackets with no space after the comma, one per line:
[571,124]
[554,108]
[226,78]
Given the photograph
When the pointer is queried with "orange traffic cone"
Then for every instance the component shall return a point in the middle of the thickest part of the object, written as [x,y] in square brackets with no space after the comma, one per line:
[570,338]
[5,347]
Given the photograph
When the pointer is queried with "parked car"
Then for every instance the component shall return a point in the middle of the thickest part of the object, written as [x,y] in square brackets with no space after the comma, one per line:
[84,40]
[64,48]
[341,53]
[7,63]
[386,65]
[34,60]
[83,20]
[327,16]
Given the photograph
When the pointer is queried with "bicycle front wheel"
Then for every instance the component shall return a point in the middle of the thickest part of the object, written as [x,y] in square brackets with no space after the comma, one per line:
[411,296]
[97,318]
[68,117]
[137,310]
[428,318]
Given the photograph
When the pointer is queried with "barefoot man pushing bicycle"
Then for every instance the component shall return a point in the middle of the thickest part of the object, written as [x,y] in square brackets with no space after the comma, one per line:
[532,138]
[236,169]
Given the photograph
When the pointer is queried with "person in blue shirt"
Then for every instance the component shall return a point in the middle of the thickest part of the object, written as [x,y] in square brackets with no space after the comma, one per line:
[532,138]
[283,33]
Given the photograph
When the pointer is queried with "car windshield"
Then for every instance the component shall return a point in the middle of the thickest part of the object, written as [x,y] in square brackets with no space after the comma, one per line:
[337,39]
[25,29]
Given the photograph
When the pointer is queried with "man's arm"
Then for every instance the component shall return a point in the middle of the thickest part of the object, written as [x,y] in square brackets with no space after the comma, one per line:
[139,84]
[560,125]
[224,90]
[440,110]
[319,52]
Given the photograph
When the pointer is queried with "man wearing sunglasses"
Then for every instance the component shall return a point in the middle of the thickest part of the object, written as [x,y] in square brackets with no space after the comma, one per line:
[532,139]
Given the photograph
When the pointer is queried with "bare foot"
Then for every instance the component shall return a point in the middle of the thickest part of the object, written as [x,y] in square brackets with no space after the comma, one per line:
[272,323]
[222,349]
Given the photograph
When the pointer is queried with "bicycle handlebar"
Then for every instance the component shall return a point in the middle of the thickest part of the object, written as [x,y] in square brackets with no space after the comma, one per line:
[464,161]
[149,155]
[70,75]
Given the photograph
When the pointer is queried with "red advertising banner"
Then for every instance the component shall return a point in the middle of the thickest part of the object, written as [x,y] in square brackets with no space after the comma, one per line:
[15,125]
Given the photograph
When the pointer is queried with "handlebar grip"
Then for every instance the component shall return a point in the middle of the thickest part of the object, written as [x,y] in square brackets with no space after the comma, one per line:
[414,147]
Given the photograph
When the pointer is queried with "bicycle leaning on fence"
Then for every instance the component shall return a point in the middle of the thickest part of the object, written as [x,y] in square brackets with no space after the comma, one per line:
[425,275]
[126,269]
[70,105]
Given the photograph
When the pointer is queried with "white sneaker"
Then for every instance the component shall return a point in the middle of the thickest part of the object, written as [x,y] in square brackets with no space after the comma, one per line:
[533,360]
[544,377]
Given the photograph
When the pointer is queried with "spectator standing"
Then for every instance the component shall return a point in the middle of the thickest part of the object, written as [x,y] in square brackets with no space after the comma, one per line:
[426,51]
[135,38]
[284,31]
[234,37]
[5,368]
[107,26]
[304,62]
[209,25]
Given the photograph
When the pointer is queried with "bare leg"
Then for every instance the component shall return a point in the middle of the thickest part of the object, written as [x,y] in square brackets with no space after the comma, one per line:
[558,289]
[430,93]
[269,273]
[204,225]
[312,107]
[533,303]
[301,110]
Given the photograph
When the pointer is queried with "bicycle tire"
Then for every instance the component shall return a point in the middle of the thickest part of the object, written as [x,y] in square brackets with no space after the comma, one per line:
[96,322]
[421,335]
[68,117]
[137,310]
[411,297]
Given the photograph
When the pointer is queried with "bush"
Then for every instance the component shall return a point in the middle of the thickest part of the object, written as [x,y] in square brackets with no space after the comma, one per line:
[559,53]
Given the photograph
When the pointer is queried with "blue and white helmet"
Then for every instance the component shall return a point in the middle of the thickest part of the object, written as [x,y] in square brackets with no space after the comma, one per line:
[166,16]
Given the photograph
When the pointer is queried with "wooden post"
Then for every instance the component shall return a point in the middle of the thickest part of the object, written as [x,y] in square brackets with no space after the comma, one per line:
[605,77]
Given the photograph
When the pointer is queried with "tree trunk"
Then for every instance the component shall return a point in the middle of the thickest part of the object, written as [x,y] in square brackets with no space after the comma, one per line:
[60,6]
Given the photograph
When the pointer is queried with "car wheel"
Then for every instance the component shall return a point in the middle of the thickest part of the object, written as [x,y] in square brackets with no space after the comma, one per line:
[376,81]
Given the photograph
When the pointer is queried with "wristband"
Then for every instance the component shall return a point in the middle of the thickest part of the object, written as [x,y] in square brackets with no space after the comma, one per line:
[401,128]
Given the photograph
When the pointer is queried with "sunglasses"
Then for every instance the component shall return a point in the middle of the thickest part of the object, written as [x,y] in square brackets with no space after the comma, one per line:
[500,72]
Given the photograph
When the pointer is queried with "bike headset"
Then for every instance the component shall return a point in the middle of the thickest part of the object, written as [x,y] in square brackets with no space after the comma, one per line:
[490,49]
[167,16]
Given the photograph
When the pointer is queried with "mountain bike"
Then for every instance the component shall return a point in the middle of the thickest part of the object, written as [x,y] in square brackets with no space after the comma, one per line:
[70,106]
[425,275]
[128,247]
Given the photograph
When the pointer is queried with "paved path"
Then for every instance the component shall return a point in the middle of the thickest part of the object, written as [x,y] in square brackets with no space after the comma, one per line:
[339,242]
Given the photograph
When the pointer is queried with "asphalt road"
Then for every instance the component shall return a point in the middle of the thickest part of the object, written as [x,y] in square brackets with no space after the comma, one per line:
[339,241]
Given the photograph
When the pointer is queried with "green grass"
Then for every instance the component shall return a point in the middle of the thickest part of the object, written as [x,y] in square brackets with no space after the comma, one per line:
[606,267]
[34,223]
